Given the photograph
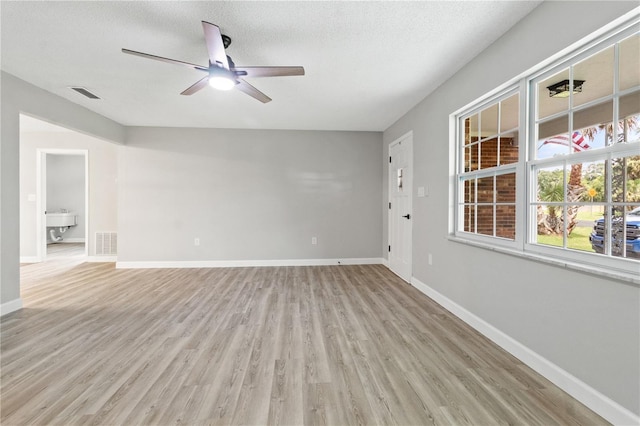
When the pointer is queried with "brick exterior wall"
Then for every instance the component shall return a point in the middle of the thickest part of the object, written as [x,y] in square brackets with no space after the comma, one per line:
[505,186]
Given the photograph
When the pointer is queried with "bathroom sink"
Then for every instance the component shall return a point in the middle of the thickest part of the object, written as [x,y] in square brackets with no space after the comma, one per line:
[58,219]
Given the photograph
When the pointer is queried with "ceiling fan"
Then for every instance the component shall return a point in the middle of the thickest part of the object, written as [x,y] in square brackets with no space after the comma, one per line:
[222,72]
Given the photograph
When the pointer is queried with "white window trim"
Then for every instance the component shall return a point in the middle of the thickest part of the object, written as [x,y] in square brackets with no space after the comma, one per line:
[496,97]
[624,270]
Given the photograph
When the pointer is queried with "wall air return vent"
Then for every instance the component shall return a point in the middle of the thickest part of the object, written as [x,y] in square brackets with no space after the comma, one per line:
[106,243]
[84,92]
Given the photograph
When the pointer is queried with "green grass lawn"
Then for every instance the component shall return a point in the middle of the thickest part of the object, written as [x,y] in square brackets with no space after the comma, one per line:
[578,240]
[590,215]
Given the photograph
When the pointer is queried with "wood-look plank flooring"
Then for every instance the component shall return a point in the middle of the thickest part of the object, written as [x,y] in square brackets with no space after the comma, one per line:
[337,345]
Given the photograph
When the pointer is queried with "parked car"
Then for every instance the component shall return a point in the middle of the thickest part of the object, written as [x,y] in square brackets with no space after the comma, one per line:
[632,220]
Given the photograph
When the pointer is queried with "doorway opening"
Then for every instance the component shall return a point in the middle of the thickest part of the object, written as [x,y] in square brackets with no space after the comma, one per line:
[62,203]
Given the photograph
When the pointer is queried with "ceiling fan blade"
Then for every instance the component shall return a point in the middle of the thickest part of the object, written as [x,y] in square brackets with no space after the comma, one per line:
[198,85]
[160,58]
[215,46]
[245,87]
[268,71]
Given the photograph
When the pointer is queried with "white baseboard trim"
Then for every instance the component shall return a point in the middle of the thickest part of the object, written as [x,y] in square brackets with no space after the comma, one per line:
[12,306]
[385,262]
[245,263]
[30,259]
[596,401]
[99,259]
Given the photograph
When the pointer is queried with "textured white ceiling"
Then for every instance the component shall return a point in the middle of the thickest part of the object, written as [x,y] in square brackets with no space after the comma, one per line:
[367,63]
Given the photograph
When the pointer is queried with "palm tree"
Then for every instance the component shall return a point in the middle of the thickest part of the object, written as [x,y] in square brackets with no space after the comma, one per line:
[623,129]
[552,222]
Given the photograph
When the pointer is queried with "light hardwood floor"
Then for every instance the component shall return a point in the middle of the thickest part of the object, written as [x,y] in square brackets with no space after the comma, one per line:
[340,345]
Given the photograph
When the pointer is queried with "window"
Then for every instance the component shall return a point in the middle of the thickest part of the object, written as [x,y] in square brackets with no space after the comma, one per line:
[584,169]
[579,163]
[487,175]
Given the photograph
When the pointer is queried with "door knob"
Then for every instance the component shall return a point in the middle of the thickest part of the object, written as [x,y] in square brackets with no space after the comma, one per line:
[407,216]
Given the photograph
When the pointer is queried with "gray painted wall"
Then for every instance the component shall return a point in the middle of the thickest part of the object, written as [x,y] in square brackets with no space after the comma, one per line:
[19,96]
[249,195]
[587,325]
[103,169]
[66,190]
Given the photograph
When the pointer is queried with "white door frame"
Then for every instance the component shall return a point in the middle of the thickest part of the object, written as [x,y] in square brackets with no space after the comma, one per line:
[41,197]
[406,275]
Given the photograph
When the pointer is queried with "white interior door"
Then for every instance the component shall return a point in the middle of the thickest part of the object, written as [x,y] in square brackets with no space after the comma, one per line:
[400,206]
[41,204]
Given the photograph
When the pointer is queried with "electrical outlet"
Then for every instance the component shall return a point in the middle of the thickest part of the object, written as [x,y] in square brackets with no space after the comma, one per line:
[196,241]
[314,240]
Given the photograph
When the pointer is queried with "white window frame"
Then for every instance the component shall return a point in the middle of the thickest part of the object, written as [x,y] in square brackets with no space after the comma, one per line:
[525,168]
[596,259]
[461,175]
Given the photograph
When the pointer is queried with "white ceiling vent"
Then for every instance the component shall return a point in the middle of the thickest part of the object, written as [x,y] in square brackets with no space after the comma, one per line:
[85,92]
[106,243]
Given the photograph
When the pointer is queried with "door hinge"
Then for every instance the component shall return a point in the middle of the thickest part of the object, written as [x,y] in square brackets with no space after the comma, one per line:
[389,206]
[389,159]
[389,249]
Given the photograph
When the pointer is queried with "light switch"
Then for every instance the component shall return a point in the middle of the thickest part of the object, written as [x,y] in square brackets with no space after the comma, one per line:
[31,197]
[421,191]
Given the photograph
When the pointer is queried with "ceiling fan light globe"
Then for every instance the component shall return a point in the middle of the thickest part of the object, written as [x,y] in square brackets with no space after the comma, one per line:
[221,82]
[221,78]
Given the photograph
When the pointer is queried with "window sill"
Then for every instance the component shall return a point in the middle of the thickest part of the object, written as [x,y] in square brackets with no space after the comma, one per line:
[624,277]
